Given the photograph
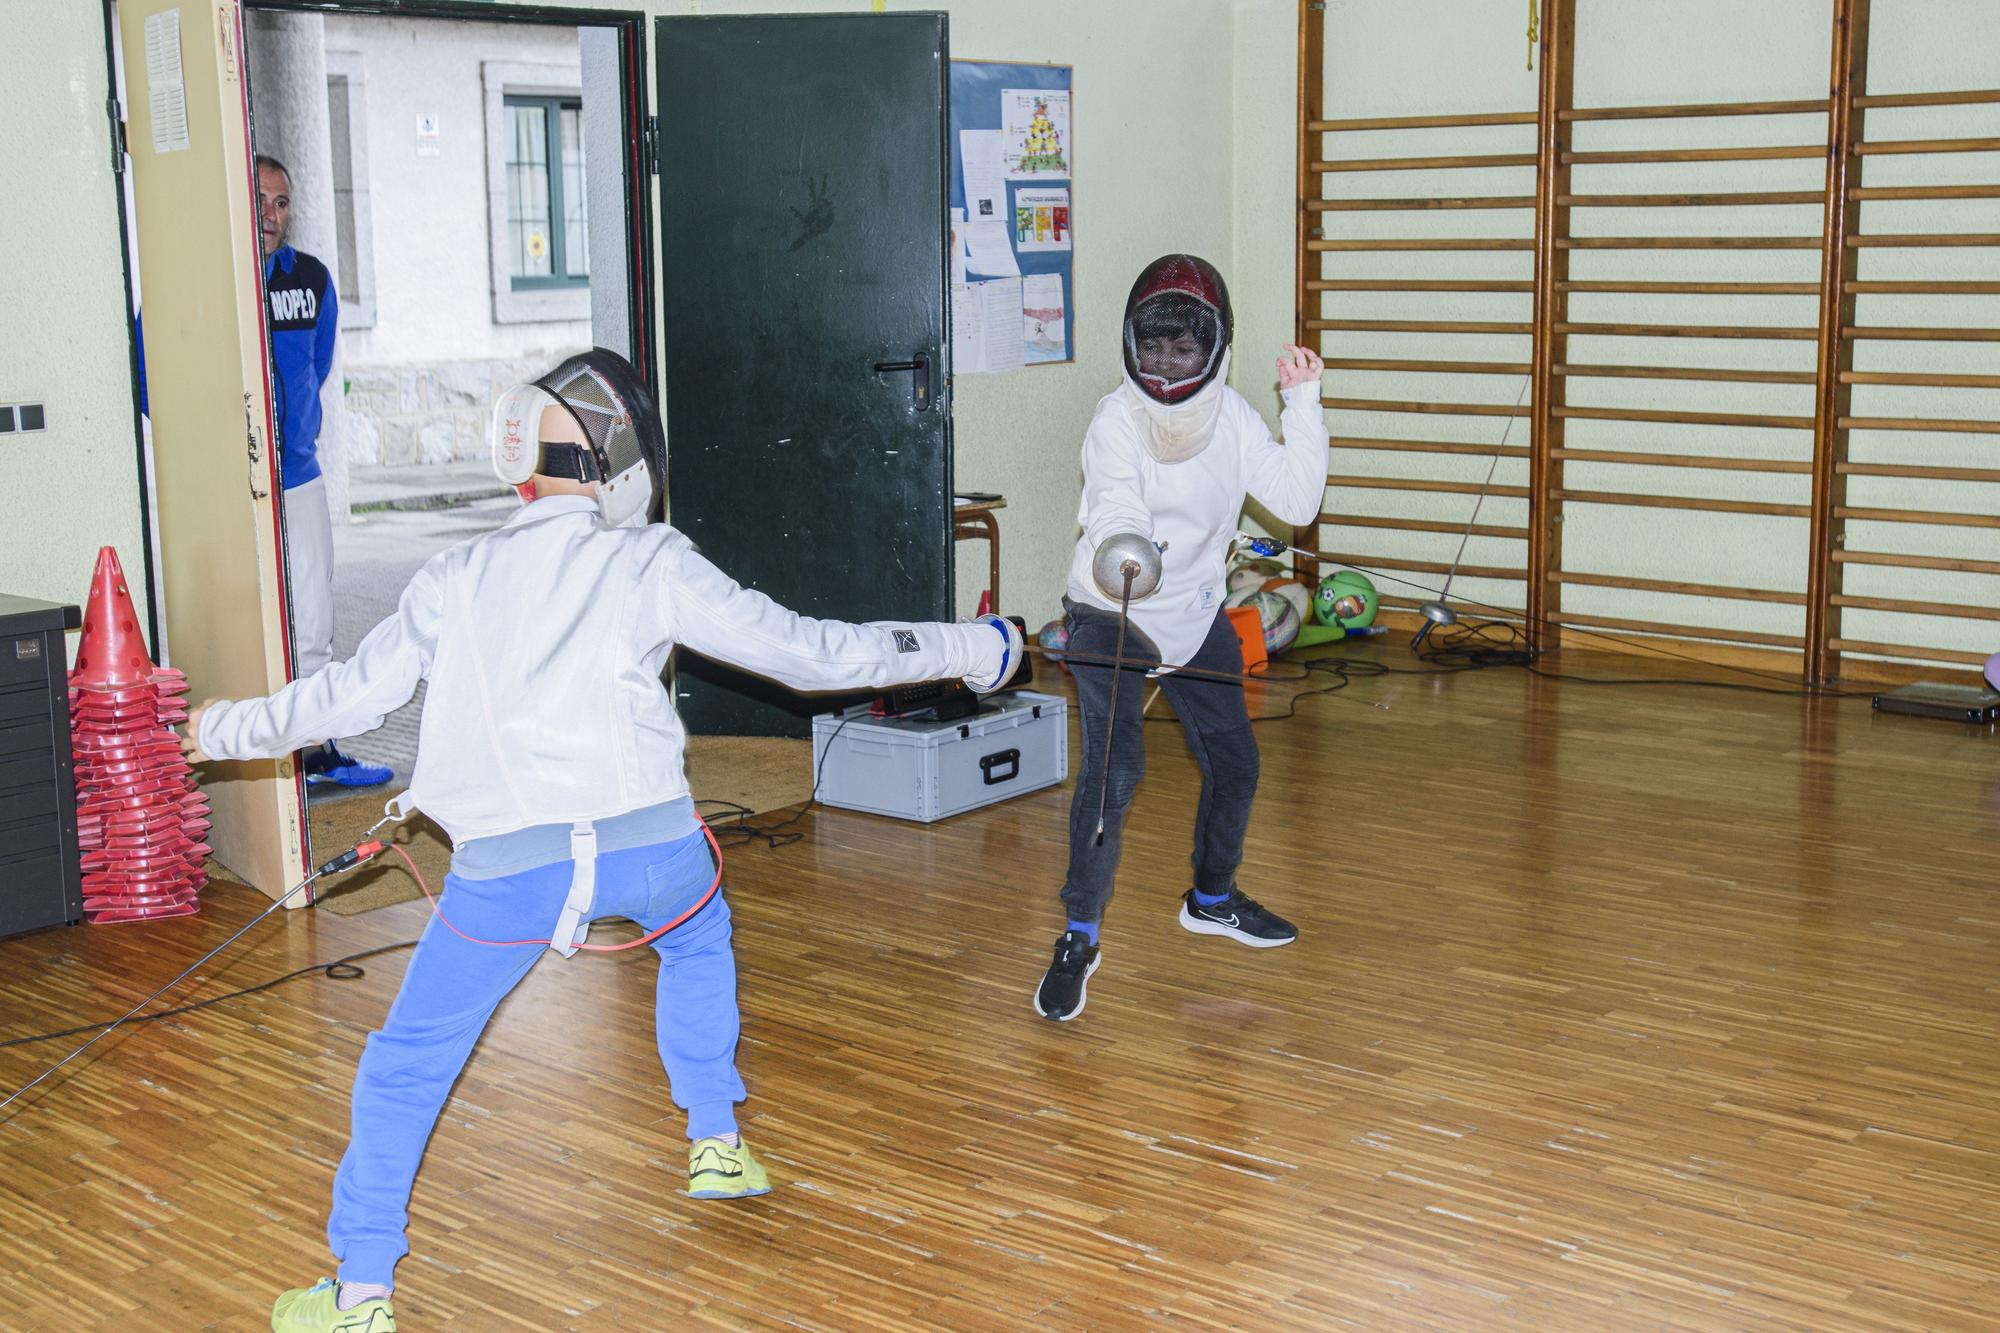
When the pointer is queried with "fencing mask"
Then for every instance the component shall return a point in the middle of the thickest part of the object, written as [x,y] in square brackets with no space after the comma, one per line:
[1178,327]
[604,406]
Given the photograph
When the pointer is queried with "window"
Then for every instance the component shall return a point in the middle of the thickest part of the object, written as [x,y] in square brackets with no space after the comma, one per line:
[353,227]
[548,241]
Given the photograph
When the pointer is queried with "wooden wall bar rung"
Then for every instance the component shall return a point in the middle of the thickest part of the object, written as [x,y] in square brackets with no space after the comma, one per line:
[1907,650]
[1686,502]
[1439,487]
[1925,240]
[1927,288]
[1753,197]
[1682,588]
[1669,630]
[1420,122]
[1956,564]
[1424,408]
[1918,516]
[1422,566]
[1684,418]
[1427,447]
[1919,471]
[1903,333]
[1923,379]
[1417,285]
[1428,367]
[1502,530]
[1812,106]
[1774,332]
[1694,288]
[1425,163]
[1719,374]
[1486,610]
[1881,146]
[1419,325]
[1373,244]
[1970,97]
[1772,154]
[1920,423]
[1906,607]
[1924,192]
[1774,466]
[1427,203]
[1689,243]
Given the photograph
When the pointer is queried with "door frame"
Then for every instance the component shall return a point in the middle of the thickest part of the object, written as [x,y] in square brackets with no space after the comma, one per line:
[630,25]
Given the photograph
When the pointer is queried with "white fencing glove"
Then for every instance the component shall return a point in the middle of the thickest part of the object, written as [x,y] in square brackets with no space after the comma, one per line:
[1013,648]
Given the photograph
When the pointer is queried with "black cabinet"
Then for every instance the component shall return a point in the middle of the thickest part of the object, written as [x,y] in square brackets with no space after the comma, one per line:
[41,883]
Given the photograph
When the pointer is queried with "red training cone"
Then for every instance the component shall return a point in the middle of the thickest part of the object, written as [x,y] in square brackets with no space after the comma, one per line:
[140,818]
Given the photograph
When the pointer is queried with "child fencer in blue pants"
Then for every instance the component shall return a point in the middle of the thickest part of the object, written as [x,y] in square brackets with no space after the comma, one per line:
[551,753]
[453,987]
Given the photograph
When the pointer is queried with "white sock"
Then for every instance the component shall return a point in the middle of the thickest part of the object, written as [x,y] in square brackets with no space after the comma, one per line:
[351,1294]
[730,1138]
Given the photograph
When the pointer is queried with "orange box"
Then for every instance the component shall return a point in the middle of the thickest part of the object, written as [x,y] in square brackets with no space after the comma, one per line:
[1249,626]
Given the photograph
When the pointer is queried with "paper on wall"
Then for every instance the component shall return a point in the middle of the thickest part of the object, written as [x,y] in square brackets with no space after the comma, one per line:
[1041,219]
[1043,319]
[1035,122]
[957,247]
[990,252]
[166,83]
[986,327]
[985,174]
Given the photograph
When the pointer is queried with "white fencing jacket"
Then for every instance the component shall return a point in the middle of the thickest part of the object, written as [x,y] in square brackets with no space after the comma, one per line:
[543,643]
[1193,507]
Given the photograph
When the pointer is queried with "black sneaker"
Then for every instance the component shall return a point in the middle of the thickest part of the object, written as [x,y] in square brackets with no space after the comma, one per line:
[1061,994]
[1240,917]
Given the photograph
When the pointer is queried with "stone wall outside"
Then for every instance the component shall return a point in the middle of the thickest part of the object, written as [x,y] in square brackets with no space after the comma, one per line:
[409,415]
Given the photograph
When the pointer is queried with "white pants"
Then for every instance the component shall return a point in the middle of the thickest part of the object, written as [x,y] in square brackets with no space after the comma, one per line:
[309,562]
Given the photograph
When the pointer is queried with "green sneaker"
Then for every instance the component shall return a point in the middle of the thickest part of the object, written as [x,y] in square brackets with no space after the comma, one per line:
[718,1171]
[312,1310]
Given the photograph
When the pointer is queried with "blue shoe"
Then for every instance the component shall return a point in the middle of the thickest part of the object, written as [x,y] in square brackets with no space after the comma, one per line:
[326,764]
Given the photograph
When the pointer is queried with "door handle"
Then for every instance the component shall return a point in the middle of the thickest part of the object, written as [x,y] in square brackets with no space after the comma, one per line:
[919,369]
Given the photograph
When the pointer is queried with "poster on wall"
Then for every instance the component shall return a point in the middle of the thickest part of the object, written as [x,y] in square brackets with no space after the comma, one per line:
[1036,125]
[1013,183]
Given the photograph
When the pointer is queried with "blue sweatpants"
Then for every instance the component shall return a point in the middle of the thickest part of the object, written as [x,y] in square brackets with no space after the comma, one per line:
[454,985]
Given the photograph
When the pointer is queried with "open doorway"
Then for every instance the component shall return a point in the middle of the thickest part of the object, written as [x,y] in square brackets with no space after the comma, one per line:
[469,188]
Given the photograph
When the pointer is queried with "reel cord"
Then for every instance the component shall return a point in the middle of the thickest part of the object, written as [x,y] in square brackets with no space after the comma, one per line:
[340,969]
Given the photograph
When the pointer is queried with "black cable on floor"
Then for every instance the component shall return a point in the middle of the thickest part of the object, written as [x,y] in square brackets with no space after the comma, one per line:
[340,969]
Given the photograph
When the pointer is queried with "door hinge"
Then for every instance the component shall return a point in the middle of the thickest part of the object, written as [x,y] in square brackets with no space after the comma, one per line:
[651,145]
[117,135]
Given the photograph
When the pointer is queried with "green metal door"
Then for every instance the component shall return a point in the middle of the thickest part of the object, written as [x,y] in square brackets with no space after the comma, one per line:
[803,297]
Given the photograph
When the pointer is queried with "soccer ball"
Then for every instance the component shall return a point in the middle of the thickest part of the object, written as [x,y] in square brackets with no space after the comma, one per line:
[1247,578]
[1280,620]
[1346,599]
[1294,592]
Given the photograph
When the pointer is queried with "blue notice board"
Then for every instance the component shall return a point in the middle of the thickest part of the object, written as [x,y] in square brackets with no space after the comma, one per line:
[1039,226]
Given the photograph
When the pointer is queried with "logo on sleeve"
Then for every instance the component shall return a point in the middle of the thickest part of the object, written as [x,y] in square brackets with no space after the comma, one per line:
[906,642]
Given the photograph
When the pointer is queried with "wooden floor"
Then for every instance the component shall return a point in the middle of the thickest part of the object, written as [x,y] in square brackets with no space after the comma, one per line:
[1615,1008]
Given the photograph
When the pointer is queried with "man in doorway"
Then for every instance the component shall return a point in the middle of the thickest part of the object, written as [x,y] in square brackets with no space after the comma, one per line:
[303,313]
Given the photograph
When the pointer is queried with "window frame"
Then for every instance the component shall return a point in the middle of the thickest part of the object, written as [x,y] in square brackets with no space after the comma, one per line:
[530,305]
[552,105]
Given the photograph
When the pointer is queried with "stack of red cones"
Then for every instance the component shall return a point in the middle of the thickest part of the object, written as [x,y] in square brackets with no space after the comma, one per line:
[140,819]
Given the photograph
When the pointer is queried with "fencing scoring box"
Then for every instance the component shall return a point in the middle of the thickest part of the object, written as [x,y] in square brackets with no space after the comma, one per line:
[927,770]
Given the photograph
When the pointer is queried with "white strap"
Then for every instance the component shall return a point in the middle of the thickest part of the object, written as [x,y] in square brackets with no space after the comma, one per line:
[574,923]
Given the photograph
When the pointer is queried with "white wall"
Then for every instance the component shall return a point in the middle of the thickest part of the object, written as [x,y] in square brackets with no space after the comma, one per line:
[64,338]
